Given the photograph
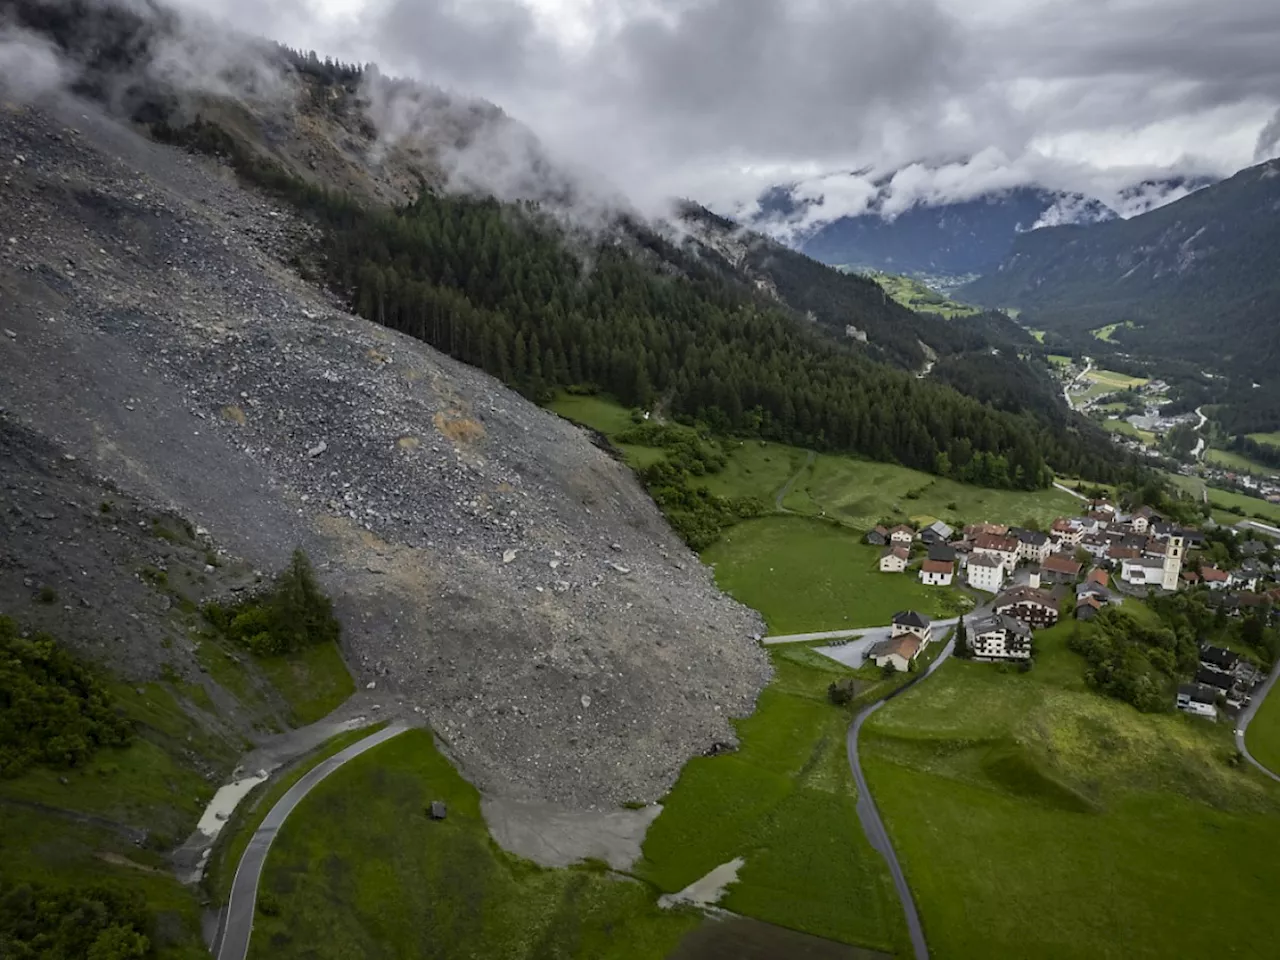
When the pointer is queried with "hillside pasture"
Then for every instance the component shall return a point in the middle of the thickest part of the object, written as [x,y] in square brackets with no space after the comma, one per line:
[807,575]
[1036,818]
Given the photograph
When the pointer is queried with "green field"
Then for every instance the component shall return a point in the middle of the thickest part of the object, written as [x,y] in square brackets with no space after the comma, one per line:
[1263,735]
[1125,428]
[1038,334]
[314,681]
[1225,502]
[1107,333]
[785,802]
[1037,819]
[1103,382]
[807,575]
[862,492]
[914,295]
[360,870]
[1059,360]
[58,824]
[253,809]
[1270,439]
[1230,460]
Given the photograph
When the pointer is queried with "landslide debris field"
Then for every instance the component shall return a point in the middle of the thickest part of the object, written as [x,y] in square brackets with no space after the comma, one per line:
[488,563]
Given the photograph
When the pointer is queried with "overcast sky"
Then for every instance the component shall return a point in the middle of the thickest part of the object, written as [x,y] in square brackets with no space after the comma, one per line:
[718,99]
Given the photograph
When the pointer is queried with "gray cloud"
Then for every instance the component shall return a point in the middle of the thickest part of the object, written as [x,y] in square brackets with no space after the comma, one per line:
[719,99]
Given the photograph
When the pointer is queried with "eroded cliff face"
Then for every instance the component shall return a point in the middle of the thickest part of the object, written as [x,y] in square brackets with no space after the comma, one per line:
[490,565]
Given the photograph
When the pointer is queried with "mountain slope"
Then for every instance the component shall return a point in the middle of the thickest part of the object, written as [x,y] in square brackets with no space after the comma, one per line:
[1196,278]
[949,240]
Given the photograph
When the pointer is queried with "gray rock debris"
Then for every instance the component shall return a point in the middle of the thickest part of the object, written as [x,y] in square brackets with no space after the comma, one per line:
[182,304]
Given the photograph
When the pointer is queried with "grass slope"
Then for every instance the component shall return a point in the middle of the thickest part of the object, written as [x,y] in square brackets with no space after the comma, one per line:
[1230,460]
[1035,818]
[79,826]
[1271,439]
[915,295]
[785,802]
[861,492]
[359,870]
[314,681]
[1263,735]
[253,809]
[1230,507]
[806,575]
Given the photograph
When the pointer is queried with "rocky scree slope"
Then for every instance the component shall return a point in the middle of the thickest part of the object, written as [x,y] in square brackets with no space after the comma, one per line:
[487,561]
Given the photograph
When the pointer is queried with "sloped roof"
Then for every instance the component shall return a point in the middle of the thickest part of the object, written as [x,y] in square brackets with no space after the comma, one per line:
[905,645]
[987,541]
[937,566]
[1214,575]
[984,560]
[902,553]
[1060,564]
[910,618]
[1025,595]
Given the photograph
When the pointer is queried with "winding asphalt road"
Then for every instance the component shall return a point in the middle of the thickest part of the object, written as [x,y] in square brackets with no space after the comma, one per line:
[238,925]
[1246,717]
[869,814]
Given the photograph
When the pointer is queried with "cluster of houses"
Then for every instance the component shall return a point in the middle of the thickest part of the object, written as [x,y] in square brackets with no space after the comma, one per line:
[1034,575]
[1224,678]
[1140,549]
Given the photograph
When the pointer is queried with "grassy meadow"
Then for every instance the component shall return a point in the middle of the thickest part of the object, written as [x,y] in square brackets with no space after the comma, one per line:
[1127,429]
[1035,818]
[79,826]
[1226,502]
[1230,460]
[915,295]
[253,809]
[785,802]
[1107,333]
[1263,735]
[360,870]
[314,681]
[807,575]
[1270,439]
[863,492]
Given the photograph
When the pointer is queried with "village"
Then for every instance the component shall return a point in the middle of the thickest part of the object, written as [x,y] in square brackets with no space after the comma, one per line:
[1026,580]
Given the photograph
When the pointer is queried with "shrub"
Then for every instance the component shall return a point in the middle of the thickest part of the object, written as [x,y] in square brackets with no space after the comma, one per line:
[291,614]
[47,594]
[842,692]
[53,711]
[96,923]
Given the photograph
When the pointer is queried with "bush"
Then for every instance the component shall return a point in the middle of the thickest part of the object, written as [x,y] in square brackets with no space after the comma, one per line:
[53,711]
[842,692]
[293,613]
[94,923]
[48,595]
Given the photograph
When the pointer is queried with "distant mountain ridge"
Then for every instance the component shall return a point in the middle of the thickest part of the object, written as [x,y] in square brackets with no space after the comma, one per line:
[1197,279]
[952,240]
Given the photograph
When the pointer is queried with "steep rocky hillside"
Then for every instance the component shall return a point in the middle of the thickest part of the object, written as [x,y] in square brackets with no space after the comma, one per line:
[488,563]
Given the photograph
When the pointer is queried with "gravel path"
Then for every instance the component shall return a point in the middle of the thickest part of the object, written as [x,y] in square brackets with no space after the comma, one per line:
[786,487]
[238,925]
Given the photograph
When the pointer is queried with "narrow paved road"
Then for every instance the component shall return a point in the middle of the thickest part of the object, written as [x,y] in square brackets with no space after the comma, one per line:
[238,926]
[1246,717]
[869,815]
[786,487]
